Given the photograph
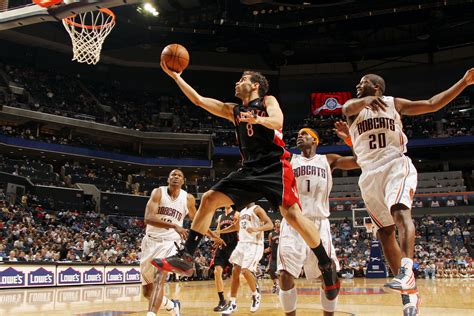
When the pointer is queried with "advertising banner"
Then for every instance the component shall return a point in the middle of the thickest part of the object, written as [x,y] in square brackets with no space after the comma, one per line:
[24,275]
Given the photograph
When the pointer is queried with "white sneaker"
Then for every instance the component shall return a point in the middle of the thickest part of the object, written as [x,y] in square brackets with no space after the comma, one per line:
[229,309]
[176,311]
[411,304]
[403,283]
[255,303]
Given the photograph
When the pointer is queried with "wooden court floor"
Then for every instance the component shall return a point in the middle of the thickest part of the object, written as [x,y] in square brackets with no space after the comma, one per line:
[359,297]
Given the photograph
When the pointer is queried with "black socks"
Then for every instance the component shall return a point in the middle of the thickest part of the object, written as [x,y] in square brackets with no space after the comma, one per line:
[193,242]
[321,254]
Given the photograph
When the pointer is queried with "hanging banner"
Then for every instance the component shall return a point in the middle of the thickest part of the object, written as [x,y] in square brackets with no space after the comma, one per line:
[328,103]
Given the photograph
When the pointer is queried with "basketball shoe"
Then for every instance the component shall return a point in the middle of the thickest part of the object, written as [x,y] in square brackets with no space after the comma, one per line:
[411,304]
[275,289]
[220,307]
[176,310]
[255,303]
[331,283]
[403,283]
[181,263]
[229,308]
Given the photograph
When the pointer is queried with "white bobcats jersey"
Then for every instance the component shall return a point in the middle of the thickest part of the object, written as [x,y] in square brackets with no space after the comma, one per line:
[247,219]
[172,211]
[377,136]
[314,181]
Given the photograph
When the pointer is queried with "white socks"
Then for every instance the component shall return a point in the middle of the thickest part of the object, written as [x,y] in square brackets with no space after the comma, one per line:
[407,263]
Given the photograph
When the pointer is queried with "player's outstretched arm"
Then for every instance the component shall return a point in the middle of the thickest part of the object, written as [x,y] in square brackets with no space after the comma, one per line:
[342,162]
[437,102]
[216,107]
[275,115]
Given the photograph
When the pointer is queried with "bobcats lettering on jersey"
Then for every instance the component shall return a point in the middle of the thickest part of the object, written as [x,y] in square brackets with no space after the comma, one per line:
[168,211]
[309,171]
[375,123]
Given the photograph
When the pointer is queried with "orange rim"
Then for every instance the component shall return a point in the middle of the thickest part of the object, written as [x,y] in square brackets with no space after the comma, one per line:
[70,20]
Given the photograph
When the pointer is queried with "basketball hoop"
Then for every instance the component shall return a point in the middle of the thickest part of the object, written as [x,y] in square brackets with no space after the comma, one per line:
[88,31]
[47,3]
[369,226]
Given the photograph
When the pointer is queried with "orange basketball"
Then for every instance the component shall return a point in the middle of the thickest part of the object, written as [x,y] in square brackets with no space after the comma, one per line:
[176,57]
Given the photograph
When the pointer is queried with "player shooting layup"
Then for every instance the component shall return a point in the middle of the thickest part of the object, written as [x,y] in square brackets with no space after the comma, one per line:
[265,172]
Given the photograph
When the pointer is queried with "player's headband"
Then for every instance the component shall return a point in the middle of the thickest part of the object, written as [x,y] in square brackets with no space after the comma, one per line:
[312,133]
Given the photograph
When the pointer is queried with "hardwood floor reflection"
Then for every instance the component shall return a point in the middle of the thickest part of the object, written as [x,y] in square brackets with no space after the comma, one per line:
[358,297]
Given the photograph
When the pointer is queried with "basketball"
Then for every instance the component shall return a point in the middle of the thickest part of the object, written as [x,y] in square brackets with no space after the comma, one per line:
[176,57]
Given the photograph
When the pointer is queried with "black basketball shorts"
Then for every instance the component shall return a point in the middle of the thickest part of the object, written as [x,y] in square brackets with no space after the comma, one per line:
[275,181]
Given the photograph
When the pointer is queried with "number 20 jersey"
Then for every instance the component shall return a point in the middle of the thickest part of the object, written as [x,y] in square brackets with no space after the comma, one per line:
[314,181]
[377,136]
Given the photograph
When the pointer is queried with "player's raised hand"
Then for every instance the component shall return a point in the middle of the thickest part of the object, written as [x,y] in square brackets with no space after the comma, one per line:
[469,76]
[341,129]
[375,103]
[168,71]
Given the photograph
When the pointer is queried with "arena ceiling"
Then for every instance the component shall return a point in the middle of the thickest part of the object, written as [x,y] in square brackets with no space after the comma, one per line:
[287,32]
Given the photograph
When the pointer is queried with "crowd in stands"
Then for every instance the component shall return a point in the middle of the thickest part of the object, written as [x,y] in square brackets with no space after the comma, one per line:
[32,233]
[112,104]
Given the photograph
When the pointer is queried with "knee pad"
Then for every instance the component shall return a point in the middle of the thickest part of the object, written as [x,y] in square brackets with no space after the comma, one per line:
[328,306]
[288,300]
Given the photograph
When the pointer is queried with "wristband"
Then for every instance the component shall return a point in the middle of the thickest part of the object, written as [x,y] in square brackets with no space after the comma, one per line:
[348,141]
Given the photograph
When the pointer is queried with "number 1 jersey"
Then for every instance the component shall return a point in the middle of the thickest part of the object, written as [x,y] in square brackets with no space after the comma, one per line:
[377,136]
[314,181]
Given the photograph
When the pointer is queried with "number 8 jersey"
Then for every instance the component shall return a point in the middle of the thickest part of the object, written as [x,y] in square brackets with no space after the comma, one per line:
[377,136]
[314,181]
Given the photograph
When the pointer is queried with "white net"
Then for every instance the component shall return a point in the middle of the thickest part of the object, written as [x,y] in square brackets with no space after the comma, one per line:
[88,31]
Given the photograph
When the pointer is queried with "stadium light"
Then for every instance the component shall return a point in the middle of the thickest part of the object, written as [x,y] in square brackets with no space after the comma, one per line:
[149,8]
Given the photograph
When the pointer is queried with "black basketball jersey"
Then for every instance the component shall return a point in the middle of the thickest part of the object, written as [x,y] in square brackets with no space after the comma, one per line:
[259,145]
[275,243]
[224,222]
